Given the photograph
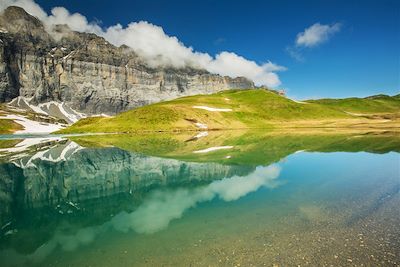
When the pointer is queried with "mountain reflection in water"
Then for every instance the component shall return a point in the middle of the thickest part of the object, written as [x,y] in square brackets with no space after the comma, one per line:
[57,194]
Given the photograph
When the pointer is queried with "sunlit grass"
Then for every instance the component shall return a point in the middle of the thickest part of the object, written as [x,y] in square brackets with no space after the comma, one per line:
[9,126]
[256,108]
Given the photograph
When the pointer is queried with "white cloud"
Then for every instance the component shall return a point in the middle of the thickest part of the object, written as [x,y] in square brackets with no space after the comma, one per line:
[156,47]
[151,42]
[76,21]
[316,34]
[230,64]
[312,36]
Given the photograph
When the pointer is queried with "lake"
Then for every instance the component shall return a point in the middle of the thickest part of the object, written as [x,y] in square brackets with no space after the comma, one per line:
[316,198]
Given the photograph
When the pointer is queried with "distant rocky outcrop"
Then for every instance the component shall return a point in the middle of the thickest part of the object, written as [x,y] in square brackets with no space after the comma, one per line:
[87,73]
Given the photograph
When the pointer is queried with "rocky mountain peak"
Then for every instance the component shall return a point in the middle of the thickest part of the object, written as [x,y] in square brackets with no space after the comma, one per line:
[16,20]
[85,72]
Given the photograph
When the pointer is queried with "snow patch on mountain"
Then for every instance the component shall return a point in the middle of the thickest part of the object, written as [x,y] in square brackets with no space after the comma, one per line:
[213,109]
[52,109]
[32,127]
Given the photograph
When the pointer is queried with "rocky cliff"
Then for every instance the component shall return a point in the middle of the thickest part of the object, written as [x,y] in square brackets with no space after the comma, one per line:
[86,72]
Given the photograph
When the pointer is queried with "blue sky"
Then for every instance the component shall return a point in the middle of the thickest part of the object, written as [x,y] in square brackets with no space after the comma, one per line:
[360,59]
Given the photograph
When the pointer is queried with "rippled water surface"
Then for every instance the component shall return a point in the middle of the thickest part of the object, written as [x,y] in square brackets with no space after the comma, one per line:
[234,199]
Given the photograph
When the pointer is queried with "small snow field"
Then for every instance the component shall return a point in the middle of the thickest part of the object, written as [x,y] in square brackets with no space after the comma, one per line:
[200,135]
[201,125]
[211,149]
[355,114]
[51,108]
[32,127]
[213,109]
[102,115]
[299,102]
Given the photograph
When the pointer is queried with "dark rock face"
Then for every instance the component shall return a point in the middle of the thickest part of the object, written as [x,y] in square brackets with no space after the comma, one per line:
[86,72]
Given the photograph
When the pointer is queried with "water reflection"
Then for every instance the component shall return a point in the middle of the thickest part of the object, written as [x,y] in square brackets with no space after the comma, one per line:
[185,186]
[163,206]
[57,194]
[64,182]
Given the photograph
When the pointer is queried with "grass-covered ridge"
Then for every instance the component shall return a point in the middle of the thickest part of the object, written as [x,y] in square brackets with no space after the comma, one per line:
[256,108]
[368,105]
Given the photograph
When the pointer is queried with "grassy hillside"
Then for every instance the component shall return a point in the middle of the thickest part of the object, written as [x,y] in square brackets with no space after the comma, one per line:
[8,126]
[368,105]
[256,108]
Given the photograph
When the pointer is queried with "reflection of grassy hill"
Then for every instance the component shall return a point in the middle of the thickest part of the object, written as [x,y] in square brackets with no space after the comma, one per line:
[250,109]
[253,148]
[8,143]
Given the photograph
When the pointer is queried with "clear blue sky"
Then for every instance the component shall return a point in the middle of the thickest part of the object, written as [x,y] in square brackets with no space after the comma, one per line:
[363,58]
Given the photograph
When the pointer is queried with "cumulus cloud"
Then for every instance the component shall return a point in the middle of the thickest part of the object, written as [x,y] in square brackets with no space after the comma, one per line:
[316,34]
[311,37]
[76,21]
[230,64]
[156,47]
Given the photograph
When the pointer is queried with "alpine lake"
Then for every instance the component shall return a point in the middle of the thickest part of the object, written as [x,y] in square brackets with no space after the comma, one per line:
[220,198]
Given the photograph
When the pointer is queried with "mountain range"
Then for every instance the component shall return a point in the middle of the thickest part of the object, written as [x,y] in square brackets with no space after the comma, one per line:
[86,74]
[53,76]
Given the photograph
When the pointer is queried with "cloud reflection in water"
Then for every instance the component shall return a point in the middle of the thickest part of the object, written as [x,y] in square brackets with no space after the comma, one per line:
[158,210]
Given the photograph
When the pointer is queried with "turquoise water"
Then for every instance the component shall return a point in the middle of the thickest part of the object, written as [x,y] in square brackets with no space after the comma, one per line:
[76,206]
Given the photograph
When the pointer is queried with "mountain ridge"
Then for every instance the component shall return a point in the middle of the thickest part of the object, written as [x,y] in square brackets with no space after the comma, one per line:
[86,72]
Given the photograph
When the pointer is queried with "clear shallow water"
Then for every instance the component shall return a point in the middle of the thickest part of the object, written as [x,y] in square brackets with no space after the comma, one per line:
[67,205]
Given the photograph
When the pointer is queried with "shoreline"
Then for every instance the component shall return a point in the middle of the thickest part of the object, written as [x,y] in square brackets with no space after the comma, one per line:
[299,130]
[350,127]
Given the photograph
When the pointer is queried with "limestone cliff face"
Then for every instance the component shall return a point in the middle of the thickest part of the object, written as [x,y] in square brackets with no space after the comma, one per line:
[86,72]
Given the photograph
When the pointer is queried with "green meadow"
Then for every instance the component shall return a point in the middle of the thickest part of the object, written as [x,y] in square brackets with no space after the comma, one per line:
[248,109]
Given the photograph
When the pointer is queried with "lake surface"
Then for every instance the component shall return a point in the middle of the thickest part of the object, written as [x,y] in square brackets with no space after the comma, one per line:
[210,199]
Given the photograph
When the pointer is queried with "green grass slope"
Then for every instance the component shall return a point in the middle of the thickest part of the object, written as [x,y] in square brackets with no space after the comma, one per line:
[369,105]
[8,126]
[256,108]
